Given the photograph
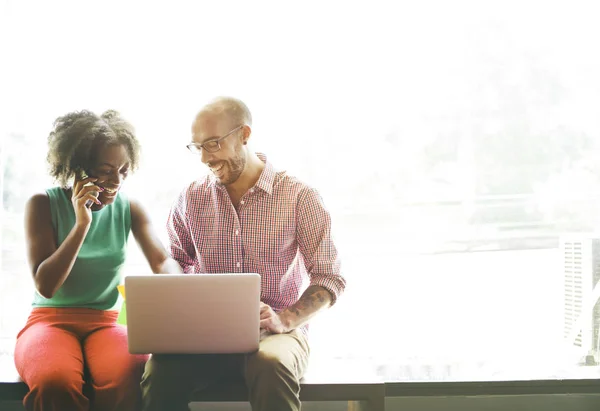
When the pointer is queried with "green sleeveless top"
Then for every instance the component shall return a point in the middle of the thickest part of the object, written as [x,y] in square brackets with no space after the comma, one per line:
[95,275]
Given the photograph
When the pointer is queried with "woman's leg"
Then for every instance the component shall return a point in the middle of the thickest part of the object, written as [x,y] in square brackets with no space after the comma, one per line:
[50,361]
[115,374]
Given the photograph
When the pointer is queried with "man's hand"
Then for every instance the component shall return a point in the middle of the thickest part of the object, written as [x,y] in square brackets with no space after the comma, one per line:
[314,299]
[271,321]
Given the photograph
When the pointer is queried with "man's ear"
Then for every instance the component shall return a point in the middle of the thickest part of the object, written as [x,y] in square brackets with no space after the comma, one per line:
[246,131]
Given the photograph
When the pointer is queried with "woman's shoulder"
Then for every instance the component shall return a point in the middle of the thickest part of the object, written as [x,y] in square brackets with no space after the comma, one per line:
[43,200]
[38,202]
[40,198]
[137,206]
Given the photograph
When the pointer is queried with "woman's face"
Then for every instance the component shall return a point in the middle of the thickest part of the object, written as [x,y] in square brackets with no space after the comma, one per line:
[111,170]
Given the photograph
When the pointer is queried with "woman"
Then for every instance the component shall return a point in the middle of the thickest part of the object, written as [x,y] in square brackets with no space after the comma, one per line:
[76,243]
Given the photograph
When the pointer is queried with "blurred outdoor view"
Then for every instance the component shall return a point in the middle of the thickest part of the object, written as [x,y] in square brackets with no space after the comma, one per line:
[453,142]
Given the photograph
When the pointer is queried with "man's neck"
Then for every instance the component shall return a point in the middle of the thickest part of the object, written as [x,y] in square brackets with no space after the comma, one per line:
[247,179]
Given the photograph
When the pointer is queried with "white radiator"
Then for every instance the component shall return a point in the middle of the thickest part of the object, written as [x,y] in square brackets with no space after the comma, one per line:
[581,267]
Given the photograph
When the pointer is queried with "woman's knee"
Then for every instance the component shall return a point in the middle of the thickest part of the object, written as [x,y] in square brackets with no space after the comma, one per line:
[58,380]
[127,374]
[119,390]
[58,387]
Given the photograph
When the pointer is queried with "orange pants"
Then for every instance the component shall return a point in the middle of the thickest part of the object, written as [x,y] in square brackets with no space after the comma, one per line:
[61,350]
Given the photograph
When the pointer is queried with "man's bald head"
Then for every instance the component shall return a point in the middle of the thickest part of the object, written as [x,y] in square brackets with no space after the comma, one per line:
[228,109]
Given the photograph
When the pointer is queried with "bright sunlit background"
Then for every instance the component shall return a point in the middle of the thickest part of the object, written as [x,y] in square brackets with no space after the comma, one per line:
[454,143]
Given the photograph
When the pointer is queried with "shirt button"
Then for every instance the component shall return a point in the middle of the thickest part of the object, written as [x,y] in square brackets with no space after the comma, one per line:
[237,232]
[238,265]
[251,190]
[242,202]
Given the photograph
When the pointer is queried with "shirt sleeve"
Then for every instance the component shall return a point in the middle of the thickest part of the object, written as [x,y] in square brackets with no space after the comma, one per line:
[181,244]
[320,255]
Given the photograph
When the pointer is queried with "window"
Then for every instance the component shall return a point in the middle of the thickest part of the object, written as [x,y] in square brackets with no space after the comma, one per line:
[453,142]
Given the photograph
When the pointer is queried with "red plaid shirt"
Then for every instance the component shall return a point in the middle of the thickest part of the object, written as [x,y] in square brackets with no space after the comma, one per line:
[281,231]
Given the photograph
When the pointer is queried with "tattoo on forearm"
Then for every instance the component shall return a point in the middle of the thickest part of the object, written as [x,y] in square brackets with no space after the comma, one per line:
[311,300]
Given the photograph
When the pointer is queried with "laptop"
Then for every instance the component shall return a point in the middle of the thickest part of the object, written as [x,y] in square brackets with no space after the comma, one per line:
[193,313]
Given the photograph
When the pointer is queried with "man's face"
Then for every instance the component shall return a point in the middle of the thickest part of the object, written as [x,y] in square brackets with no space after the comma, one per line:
[228,163]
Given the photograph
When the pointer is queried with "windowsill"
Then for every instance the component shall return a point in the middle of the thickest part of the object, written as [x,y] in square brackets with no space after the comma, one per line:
[581,380]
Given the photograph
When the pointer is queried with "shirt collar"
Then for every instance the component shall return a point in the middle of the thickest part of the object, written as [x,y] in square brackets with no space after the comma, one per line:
[265,181]
[267,177]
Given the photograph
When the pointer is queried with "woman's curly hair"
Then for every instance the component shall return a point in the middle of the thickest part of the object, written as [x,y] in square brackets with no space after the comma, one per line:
[78,137]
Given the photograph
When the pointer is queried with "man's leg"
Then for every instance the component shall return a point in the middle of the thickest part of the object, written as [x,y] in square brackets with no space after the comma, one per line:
[170,380]
[273,373]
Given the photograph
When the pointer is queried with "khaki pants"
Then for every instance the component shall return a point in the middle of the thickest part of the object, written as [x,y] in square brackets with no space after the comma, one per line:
[272,375]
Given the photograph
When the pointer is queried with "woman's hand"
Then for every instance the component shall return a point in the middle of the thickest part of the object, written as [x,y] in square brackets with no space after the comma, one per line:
[83,197]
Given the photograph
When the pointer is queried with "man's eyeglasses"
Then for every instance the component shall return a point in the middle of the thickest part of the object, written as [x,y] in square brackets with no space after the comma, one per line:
[211,146]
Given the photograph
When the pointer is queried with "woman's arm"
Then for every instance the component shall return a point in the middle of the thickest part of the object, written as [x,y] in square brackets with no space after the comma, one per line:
[151,246]
[50,265]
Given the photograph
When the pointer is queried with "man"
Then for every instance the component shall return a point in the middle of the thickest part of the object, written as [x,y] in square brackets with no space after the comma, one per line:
[247,217]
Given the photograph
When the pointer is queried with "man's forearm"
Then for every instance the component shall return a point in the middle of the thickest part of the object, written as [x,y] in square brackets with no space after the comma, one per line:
[314,299]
